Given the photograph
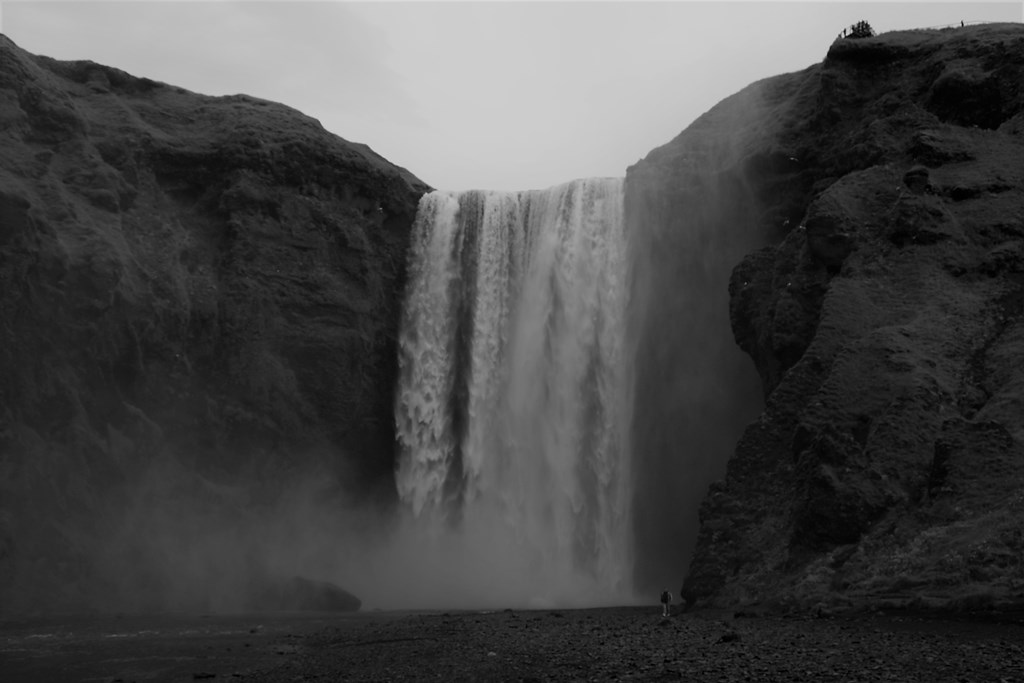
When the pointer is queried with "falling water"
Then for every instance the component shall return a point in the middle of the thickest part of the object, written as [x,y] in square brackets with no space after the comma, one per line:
[513,407]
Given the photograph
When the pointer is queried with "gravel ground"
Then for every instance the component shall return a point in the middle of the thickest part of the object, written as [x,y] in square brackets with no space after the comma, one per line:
[621,643]
[637,644]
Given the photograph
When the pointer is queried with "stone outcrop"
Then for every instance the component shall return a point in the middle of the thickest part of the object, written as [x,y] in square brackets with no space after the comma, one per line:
[201,286]
[884,315]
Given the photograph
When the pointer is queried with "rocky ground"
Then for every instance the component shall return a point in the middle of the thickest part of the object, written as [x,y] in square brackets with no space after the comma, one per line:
[623,643]
[637,644]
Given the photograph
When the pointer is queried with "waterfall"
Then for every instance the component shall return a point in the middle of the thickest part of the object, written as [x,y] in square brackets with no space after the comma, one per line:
[513,403]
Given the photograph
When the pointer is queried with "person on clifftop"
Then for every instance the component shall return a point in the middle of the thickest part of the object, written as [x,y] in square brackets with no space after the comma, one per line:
[666,603]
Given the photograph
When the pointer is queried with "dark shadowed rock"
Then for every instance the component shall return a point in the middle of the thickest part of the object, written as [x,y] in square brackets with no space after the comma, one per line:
[883,315]
[916,180]
[209,281]
[298,594]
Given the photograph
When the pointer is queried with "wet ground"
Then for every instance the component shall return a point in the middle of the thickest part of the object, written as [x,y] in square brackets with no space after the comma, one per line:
[627,643]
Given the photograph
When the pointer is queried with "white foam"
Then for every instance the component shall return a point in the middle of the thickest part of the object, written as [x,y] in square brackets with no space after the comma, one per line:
[541,467]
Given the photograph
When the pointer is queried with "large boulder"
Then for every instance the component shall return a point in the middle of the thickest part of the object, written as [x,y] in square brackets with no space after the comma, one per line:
[299,594]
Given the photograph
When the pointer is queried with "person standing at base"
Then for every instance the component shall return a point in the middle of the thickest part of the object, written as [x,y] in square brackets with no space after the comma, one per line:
[666,603]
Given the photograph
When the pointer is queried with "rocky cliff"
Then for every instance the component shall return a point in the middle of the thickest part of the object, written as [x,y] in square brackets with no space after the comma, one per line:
[884,316]
[198,303]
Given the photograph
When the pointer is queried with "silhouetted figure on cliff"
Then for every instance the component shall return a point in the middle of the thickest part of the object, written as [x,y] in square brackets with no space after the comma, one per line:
[666,604]
[861,29]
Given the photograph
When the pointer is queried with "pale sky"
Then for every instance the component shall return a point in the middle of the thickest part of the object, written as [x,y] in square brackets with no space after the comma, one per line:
[495,95]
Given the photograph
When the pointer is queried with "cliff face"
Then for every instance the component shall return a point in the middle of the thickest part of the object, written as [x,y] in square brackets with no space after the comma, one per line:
[194,291]
[883,315]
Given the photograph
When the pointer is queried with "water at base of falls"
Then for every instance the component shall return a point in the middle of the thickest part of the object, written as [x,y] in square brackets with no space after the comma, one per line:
[513,400]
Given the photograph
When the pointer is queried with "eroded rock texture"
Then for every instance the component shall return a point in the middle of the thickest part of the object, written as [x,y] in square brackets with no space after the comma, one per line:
[885,321]
[196,293]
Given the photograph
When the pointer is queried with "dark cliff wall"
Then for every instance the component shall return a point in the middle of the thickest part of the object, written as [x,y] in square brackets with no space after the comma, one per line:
[208,285]
[884,318]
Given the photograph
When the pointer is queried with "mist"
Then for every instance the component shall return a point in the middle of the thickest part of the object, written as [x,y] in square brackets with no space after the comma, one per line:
[451,542]
[695,390]
[582,390]
[174,540]
[593,502]
[184,544]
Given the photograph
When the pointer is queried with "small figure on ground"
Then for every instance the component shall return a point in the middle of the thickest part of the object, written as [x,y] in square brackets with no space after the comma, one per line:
[666,604]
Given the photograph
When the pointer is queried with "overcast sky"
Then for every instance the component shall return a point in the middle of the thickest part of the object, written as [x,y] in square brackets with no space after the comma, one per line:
[509,96]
